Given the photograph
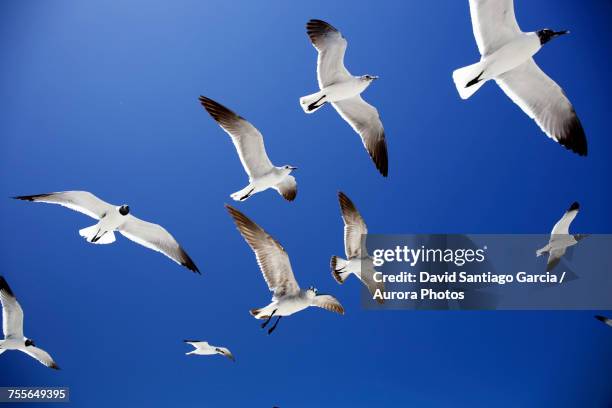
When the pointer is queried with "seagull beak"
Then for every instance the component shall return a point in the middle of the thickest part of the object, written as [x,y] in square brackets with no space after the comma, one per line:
[293,168]
[375,77]
[558,33]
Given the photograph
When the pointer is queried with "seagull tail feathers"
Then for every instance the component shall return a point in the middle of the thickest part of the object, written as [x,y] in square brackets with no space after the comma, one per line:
[468,79]
[337,265]
[91,234]
[312,102]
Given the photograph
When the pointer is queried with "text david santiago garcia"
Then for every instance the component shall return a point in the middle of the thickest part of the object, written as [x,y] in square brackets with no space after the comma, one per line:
[458,257]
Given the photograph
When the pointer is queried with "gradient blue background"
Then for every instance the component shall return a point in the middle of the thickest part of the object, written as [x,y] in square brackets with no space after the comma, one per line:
[102,96]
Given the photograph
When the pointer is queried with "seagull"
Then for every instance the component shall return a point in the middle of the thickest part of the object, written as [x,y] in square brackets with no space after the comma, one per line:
[12,327]
[560,238]
[202,348]
[507,58]
[116,218]
[252,152]
[358,263]
[605,320]
[343,91]
[275,266]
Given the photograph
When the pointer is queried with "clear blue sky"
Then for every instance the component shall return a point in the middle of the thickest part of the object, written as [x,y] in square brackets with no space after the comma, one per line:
[102,96]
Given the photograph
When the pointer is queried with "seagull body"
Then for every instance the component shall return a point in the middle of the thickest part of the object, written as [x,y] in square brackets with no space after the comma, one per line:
[343,91]
[116,218]
[358,262]
[507,58]
[605,320]
[202,348]
[288,298]
[560,238]
[252,152]
[12,327]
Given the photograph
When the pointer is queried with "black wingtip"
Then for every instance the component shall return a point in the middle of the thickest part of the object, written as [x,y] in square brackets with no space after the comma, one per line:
[575,206]
[4,286]
[54,366]
[30,197]
[188,263]
[192,341]
[601,318]
[574,138]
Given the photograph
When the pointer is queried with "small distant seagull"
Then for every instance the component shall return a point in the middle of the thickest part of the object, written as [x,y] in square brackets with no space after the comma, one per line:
[507,58]
[116,218]
[202,348]
[274,263]
[358,262]
[252,152]
[560,238]
[606,320]
[12,326]
[343,91]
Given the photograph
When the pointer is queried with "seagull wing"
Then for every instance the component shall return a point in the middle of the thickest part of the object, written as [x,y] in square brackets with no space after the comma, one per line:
[225,351]
[12,314]
[246,138]
[41,355]
[271,256]
[354,227]
[604,319]
[197,343]
[331,46]
[287,188]
[364,119]
[544,101]
[81,201]
[494,24]
[156,237]
[562,226]
[328,302]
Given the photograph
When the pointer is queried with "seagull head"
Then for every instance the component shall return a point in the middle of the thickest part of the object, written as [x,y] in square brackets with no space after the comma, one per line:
[369,78]
[30,342]
[547,34]
[289,168]
[124,209]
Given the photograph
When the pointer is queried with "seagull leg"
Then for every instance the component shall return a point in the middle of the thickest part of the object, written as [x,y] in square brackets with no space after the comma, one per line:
[264,324]
[275,324]
[314,105]
[247,195]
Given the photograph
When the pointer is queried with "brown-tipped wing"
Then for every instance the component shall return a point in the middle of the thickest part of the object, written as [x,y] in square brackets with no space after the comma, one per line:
[328,302]
[246,138]
[12,314]
[287,188]
[41,355]
[271,256]
[354,227]
[81,201]
[494,24]
[364,119]
[155,237]
[544,101]
[331,46]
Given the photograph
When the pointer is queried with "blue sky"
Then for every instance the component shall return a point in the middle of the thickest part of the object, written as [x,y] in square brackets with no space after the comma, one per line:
[102,96]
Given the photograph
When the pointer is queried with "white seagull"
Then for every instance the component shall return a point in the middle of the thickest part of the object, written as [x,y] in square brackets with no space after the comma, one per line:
[359,262]
[605,320]
[560,238]
[507,58]
[252,152]
[343,91]
[276,268]
[116,218]
[202,348]
[12,326]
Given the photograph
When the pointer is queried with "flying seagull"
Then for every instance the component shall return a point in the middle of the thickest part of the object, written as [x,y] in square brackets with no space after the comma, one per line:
[12,327]
[343,91]
[560,238]
[202,348]
[507,58]
[274,263]
[116,218]
[359,262]
[605,320]
[252,152]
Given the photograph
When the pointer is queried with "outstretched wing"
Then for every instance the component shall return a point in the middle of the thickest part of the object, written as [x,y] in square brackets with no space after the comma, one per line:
[271,256]
[81,201]
[156,237]
[246,138]
[494,24]
[12,314]
[364,119]
[41,355]
[328,302]
[331,46]
[287,188]
[354,227]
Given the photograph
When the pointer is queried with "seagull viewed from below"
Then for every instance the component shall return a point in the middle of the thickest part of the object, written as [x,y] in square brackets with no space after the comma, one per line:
[560,238]
[507,58]
[605,320]
[202,348]
[357,262]
[12,327]
[116,218]
[274,263]
[343,91]
[252,152]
